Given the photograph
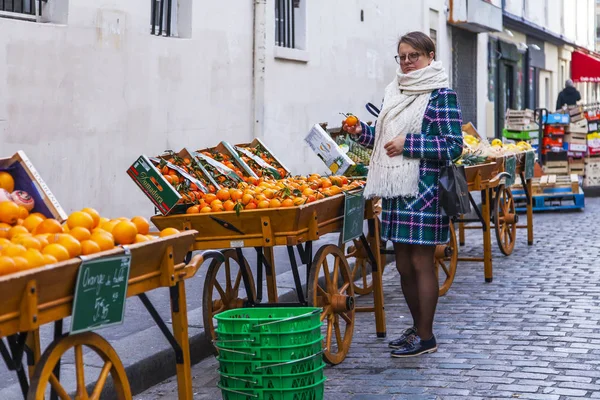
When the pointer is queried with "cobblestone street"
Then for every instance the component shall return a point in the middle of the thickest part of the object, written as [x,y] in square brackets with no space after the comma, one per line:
[534,333]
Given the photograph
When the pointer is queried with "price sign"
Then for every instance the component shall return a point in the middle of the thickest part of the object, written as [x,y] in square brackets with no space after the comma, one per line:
[510,166]
[354,215]
[529,164]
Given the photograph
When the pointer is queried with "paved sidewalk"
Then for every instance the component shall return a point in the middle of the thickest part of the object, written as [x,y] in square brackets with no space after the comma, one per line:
[534,333]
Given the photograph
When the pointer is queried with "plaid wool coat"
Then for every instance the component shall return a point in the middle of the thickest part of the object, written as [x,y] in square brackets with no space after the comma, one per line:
[418,220]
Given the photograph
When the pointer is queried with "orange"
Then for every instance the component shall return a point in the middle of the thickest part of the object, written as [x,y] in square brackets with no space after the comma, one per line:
[110,225]
[263,204]
[23,212]
[223,194]
[287,203]
[235,194]
[43,239]
[193,210]
[48,259]
[168,232]
[89,247]
[57,251]
[205,210]
[216,207]
[4,228]
[29,242]
[124,232]
[229,205]
[49,225]
[21,263]
[71,244]
[13,250]
[7,182]
[325,183]
[335,190]
[142,224]
[7,265]
[102,221]
[65,227]
[80,233]
[247,198]
[82,219]
[269,193]
[37,214]
[34,258]
[250,206]
[53,237]
[16,231]
[9,212]
[274,203]
[94,214]
[210,197]
[4,242]
[32,222]
[298,201]
[141,238]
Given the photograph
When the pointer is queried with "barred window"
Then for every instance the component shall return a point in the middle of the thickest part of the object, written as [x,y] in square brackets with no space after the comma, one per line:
[27,9]
[164,17]
[290,24]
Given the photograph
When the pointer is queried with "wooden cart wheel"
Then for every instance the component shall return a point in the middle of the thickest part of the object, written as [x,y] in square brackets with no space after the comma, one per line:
[44,377]
[446,259]
[505,220]
[330,287]
[362,280]
[222,288]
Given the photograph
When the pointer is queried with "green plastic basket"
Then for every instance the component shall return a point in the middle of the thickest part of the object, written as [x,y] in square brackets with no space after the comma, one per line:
[280,368]
[272,381]
[271,353]
[254,339]
[312,392]
[269,320]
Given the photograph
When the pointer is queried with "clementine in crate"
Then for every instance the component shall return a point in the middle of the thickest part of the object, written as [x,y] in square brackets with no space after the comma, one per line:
[89,247]
[6,181]
[9,212]
[142,224]
[168,232]
[81,219]
[125,232]
[49,225]
[57,251]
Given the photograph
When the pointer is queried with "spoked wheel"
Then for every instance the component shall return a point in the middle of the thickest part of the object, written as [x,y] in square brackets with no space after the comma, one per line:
[362,281]
[330,287]
[44,377]
[446,259]
[505,220]
[224,288]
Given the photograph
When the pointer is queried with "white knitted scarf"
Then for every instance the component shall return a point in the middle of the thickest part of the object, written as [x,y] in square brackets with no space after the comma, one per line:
[404,105]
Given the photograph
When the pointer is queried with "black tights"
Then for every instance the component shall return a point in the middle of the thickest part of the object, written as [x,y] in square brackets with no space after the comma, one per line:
[420,286]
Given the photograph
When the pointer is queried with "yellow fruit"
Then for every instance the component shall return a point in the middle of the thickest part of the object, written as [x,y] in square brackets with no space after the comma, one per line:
[7,265]
[23,212]
[37,214]
[16,231]
[89,247]
[32,222]
[13,250]
[142,225]
[71,244]
[49,225]
[29,242]
[4,228]
[94,214]
[109,226]
[48,259]
[80,233]
[43,239]
[57,251]
[141,238]
[82,219]
[103,239]
[34,258]
[168,232]
[21,263]
[7,182]
[125,232]
[497,142]
[9,212]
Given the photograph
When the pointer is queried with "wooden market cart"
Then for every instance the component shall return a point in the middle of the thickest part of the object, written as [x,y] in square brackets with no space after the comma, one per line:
[45,295]
[329,282]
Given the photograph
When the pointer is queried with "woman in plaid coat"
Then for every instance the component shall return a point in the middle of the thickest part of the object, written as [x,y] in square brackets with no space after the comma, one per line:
[417,132]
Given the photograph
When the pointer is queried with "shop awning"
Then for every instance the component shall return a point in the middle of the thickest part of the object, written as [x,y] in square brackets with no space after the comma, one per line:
[584,67]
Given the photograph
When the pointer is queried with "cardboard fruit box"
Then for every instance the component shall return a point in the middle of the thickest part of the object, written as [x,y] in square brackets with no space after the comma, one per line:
[220,174]
[188,169]
[28,179]
[224,153]
[257,147]
[328,151]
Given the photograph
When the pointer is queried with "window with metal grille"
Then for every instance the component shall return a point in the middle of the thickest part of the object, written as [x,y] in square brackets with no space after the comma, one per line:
[21,8]
[287,23]
[164,17]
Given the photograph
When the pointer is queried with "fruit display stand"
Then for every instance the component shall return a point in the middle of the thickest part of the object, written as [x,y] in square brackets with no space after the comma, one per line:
[329,283]
[46,295]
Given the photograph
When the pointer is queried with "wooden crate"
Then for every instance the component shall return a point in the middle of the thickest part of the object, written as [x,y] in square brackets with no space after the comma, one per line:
[539,185]
[258,143]
[556,168]
[28,179]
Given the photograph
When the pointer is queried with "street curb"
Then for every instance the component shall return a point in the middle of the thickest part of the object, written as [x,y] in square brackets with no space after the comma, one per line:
[160,366]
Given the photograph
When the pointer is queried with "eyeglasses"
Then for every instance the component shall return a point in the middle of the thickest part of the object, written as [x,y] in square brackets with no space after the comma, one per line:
[412,57]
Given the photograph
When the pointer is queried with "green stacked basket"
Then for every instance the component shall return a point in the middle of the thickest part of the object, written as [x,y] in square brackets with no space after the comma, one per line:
[270,353]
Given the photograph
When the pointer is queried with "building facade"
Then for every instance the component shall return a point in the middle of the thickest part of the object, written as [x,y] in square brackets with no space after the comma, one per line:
[86,87]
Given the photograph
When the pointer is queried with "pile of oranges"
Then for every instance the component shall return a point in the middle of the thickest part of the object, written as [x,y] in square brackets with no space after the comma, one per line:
[287,192]
[31,240]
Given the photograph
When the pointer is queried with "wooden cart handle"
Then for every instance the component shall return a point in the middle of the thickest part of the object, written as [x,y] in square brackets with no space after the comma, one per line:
[196,262]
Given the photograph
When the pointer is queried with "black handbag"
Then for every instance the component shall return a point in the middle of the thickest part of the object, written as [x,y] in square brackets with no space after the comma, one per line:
[454,191]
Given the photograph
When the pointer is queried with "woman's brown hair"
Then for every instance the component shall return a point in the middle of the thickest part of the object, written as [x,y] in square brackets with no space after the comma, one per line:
[420,41]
